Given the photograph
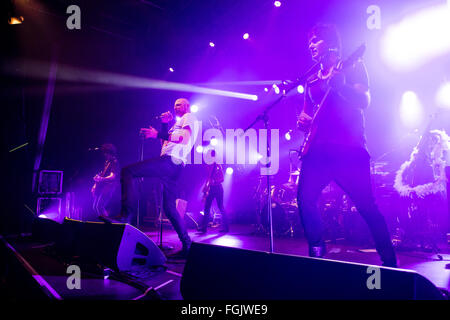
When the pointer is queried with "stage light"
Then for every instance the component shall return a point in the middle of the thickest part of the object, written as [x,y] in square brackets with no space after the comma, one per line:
[411,112]
[194,108]
[177,118]
[277,4]
[171,69]
[246,36]
[214,142]
[229,171]
[266,90]
[199,149]
[417,39]
[287,136]
[276,89]
[300,89]
[15,20]
[443,96]
[211,44]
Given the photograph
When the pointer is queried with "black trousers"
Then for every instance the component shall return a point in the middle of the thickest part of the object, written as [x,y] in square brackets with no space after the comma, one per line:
[169,172]
[102,199]
[350,169]
[215,192]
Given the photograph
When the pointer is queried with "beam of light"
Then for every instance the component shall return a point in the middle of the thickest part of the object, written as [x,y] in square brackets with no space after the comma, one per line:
[44,120]
[240,83]
[245,36]
[443,96]
[68,73]
[417,39]
[19,147]
[229,171]
[411,111]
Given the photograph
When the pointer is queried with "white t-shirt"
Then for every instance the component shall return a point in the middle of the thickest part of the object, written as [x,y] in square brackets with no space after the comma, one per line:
[180,151]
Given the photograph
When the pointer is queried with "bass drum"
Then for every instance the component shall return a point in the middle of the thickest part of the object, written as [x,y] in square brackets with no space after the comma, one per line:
[280,221]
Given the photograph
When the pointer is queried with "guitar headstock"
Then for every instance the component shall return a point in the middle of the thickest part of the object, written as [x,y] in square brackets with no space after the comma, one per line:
[355,56]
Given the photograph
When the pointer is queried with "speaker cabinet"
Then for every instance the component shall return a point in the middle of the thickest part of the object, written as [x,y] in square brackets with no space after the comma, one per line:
[224,273]
[119,246]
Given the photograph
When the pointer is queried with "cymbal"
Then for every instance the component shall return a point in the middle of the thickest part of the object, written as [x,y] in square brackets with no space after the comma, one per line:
[290,185]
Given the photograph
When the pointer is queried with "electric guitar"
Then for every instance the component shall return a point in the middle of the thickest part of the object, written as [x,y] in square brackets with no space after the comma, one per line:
[102,174]
[309,137]
[207,187]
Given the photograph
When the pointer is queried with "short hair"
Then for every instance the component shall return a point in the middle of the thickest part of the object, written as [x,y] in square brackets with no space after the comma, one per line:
[329,33]
[108,148]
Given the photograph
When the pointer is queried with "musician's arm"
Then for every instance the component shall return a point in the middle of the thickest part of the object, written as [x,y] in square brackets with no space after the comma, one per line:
[305,118]
[353,86]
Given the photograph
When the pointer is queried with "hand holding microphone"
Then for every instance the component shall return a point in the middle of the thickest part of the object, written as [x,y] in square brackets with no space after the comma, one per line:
[165,117]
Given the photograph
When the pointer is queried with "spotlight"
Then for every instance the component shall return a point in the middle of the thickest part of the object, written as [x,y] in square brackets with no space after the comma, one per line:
[246,36]
[411,109]
[417,39]
[287,136]
[277,4]
[266,90]
[443,96]
[15,20]
[229,171]
[199,149]
[276,89]
[214,142]
[300,89]
[171,69]
[211,44]
[194,108]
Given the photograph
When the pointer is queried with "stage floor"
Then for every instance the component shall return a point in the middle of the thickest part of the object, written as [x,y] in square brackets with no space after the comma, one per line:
[165,282]
[425,263]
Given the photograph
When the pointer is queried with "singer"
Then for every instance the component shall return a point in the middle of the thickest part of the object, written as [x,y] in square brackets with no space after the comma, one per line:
[338,150]
[177,144]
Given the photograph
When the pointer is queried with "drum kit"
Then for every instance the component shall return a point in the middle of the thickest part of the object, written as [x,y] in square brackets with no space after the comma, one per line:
[338,212]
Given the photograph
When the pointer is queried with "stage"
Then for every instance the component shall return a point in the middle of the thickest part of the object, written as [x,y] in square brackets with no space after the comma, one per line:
[164,283]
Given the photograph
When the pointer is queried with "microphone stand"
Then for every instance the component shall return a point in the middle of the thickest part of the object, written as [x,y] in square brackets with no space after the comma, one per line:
[141,180]
[264,116]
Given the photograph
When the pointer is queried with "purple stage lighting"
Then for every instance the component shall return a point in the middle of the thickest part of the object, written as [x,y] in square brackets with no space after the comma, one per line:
[443,96]
[300,89]
[411,111]
[229,171]
[194,108]
[287,136]
[214,142]
[211,44]
[246,36]
[171,69]
[277,4]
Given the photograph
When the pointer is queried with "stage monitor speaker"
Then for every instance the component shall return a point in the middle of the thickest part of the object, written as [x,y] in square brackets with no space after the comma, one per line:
[225,273]
[116,245]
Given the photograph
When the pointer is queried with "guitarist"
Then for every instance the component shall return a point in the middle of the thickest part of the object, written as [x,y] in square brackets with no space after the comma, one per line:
[213,190]
[337,150]
[106,181]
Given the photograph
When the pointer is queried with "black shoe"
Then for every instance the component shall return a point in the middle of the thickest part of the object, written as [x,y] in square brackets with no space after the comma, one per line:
[180,255]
